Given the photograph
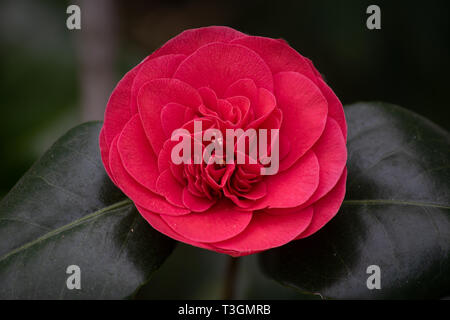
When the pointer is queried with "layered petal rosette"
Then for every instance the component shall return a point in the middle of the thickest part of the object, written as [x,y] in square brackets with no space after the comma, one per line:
[227,80]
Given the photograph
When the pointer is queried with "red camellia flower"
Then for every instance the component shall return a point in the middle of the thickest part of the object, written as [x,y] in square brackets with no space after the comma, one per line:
[226,80]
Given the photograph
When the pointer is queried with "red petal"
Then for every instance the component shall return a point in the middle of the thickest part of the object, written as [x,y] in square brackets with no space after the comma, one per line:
[173,116]
[278,55]
[150,69]
[331,152]
[304,114]
[265,105]
[137,155]
[267,231]
[117,111]
[169,187]
[139,194]
[335,109]
[197,204]
[218,65]
[247,200]
[190,40]
[219,223]
[293,187]
[243,104]
[327,207]
[160,225]
[164,157]
[153,96]
[243,87]
[209,98]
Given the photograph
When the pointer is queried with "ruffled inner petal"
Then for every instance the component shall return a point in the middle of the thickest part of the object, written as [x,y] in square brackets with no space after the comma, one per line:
[243,87]
[197,203]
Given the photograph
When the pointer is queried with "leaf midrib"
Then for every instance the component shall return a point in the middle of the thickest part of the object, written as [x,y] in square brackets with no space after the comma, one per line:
[375,202]
[68,226]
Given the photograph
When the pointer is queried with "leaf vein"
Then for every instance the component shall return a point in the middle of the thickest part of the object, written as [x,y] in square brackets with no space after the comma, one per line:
[69,226]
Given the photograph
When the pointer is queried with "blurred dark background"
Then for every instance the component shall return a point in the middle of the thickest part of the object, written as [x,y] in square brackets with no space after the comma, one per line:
[53,78]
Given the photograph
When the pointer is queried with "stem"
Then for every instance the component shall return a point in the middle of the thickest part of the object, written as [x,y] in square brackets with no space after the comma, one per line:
[231,271]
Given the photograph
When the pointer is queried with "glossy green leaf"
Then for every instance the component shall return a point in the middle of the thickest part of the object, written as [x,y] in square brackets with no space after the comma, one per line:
[65,211]
[396,215]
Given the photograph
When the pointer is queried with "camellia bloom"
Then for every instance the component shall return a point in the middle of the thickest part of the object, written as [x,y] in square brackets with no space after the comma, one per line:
[225,79]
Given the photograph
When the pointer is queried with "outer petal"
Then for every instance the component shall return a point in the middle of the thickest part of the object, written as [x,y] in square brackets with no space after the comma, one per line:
[137,155]
[278,55]
[218,65]
[139,194]
[153,96]
[327,207]
[304,114]
[221,222]
[150,69]
[267,231]
[335,109]
[190,40]
[159,224]
[117,111]
[332,155]
[293,187]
